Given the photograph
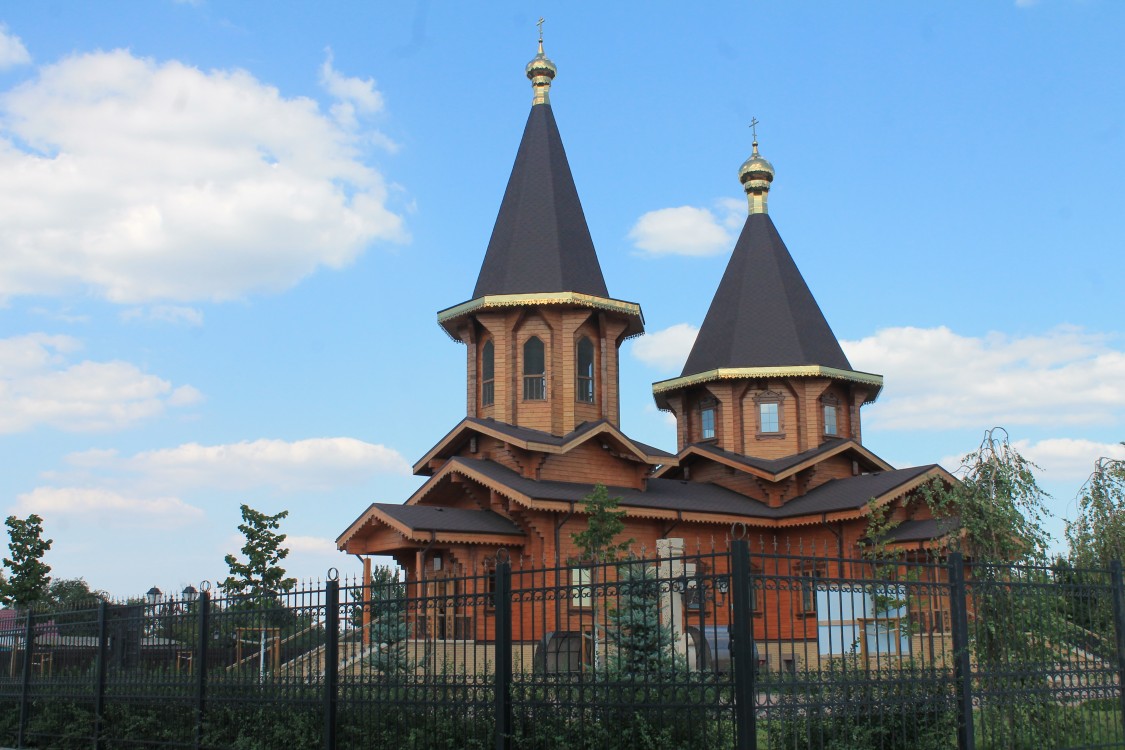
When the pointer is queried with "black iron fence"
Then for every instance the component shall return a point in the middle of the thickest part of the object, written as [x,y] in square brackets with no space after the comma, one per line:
[719,649]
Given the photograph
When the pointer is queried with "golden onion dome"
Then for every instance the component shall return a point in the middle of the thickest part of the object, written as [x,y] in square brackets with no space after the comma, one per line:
[756,174]
[541,71]
[755,168]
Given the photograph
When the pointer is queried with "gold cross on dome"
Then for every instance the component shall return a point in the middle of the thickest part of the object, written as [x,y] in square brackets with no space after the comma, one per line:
[754,127]
[540,25]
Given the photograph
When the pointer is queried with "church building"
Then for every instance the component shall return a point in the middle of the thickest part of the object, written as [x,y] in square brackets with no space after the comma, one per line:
[768,408]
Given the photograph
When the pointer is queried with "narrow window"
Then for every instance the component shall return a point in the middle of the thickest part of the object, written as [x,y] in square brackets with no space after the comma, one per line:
[829,419]
[534,371]
[810,577]
[580,593]
[585,383]
[707,422]
[769,417]
[487,374]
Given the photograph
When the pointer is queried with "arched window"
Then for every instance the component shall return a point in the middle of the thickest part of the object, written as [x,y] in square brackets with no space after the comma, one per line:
[487,374]
[585,371]
[534,370]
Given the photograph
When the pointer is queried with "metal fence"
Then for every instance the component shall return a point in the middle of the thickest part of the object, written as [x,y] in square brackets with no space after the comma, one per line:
[738,648]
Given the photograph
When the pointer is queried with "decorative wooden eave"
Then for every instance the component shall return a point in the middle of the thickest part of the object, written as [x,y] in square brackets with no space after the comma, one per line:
[374,514]
[424,466]
[746,373]
[632,510]
[449,318]
[843,446]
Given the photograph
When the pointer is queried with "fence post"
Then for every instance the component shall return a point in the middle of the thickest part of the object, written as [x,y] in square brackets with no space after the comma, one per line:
[99,678]
[331,661]
[1119,628]
[503,684]
[200,662]
[742,648]
[962,674]
[25,686]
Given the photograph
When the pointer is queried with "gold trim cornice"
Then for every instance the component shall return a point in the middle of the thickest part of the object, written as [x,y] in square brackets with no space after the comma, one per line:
[494,301]
[738,373]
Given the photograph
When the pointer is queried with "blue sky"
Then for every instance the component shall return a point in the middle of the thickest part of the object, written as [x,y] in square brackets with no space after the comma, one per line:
[226,229]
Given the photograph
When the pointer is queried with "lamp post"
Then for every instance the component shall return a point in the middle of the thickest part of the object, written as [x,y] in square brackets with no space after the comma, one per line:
[152,599]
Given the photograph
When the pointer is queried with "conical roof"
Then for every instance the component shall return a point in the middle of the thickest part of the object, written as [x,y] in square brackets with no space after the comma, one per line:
[763,314]
[540,243]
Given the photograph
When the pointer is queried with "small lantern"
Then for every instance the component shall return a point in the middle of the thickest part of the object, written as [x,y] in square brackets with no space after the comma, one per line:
[153,596]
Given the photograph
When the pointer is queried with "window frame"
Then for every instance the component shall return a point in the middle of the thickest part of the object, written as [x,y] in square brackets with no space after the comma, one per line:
[534,383]
[585,385]
[811,572]
[488,373]
[705,411]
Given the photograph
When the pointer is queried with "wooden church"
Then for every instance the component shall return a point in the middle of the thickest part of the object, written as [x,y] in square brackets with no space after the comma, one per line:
[768,407]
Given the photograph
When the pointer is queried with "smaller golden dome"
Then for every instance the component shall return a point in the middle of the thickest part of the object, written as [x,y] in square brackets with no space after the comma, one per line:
[541,71]
[756,174]
[755,168]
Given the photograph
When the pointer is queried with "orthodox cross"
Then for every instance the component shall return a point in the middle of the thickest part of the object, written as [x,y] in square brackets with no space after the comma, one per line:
[753,124]
[540,25]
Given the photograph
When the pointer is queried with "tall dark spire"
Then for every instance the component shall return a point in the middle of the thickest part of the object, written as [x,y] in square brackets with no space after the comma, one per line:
[763,314]
[541,242]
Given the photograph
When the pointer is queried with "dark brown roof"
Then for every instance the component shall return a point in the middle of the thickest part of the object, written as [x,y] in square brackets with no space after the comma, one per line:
[763,314]
[851,493]
[434,518]
[541,242]
[771,465]
[670,494]
[924,530]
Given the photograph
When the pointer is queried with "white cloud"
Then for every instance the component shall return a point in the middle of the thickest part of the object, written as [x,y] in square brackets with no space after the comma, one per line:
[667,349]
[937,379]
[39,387]
[311,545]
[12,51]
[354,96]
[105,505]
[146,181]
[313,464]
[173,314]
[1060,459]
[685,230]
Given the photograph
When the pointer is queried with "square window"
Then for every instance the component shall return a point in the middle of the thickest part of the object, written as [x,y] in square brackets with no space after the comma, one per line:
[769,417]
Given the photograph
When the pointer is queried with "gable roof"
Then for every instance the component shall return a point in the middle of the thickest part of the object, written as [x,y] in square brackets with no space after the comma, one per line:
[420,523]
[540,242]
[536,440]
[688,500]
[763,314]
[773,469]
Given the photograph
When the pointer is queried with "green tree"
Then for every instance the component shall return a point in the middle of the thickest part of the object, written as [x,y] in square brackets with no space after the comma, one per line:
[604,523]
[598,545]
[28,576]
[1097,535]
[1016,620]
[389,629]
[999,502]
[644,646]
[260,579]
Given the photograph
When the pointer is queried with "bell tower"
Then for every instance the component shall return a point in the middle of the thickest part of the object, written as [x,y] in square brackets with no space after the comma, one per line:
[542,333]
[766,376]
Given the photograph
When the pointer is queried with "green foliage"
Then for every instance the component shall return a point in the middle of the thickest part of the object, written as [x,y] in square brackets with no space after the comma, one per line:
[999,501]
[603,525]
[643,646]
[260,577]
[389,628]
[848,705]
[1097,536]
[28,576]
